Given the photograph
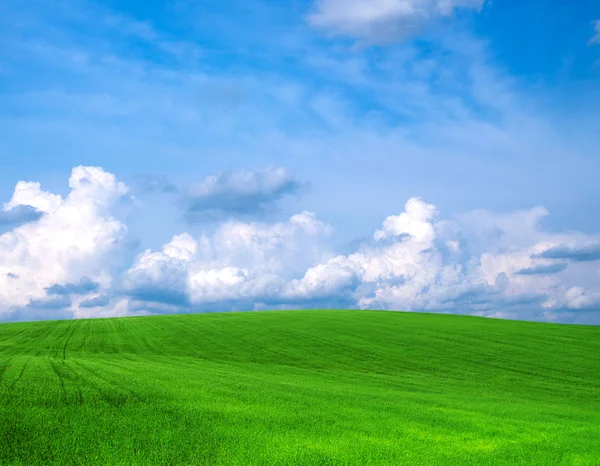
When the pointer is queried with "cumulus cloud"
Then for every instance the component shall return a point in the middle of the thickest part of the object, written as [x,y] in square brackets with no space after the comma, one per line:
[238,262]
[421,263]
[490,265]
[481,263]
[67,247]
[409,267]
[383,20]
[241,192]
[162,276]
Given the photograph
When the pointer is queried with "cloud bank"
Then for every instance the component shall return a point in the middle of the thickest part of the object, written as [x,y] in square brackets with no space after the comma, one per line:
[240,263]
[482,263]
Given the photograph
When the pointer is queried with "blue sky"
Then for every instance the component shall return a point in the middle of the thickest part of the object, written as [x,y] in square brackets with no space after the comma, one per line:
[218,119]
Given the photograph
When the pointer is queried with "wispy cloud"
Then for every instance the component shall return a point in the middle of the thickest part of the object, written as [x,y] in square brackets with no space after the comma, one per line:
[156,184]
[383,20]
[596,37]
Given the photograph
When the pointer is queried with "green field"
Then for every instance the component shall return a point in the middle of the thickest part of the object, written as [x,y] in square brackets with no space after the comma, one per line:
[299,387]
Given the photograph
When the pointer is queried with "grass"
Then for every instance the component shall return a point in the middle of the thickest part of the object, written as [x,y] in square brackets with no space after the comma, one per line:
[301,387]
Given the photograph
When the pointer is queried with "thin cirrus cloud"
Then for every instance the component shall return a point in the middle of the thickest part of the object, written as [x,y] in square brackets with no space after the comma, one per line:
[238,193]
[156,184]
[595,40]
[383,20]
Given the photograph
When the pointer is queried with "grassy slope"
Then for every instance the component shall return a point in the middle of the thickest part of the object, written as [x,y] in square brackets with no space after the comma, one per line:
[305,387]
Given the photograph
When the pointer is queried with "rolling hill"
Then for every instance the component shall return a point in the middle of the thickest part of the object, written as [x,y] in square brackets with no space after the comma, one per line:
[299,387]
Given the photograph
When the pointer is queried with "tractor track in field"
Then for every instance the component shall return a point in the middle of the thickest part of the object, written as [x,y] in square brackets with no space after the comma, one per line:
[8,336]
[92,336]
[20,376]
[86,331]
[60,342]
[63,391]
[59,367]
[12,385]
[127,395]
[4,368]
[65,373]
[72,327]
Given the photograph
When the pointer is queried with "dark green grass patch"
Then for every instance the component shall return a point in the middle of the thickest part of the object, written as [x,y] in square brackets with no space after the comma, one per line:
[302,387]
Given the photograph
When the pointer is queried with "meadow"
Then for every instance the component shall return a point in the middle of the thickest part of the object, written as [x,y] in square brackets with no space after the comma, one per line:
[299,387]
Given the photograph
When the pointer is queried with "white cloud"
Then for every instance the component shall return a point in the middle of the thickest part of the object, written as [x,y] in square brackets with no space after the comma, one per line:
[71,241]
[398,271]
[240,261]
[423,264]
[382,20]
[31,194]
[414,222]
[483,263]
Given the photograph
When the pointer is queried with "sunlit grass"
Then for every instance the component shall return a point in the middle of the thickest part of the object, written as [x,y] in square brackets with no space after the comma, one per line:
[301,387]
